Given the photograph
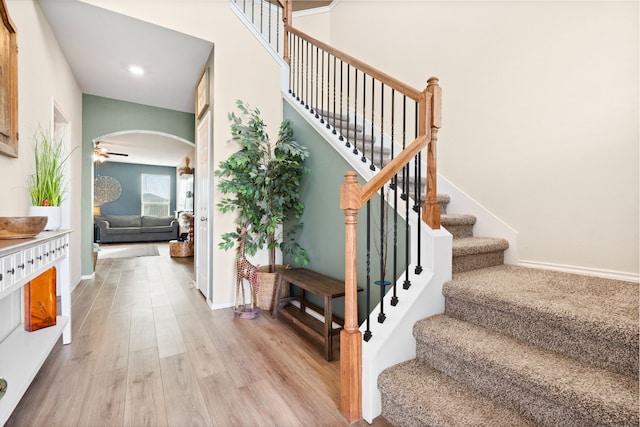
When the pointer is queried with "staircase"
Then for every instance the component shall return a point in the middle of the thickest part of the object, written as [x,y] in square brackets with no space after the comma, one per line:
[518,347]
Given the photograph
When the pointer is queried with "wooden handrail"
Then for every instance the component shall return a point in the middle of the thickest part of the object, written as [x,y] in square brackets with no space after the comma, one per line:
[392,168]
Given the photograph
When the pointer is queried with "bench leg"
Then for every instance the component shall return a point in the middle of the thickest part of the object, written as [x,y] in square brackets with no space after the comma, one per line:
[276,303]
[328,325]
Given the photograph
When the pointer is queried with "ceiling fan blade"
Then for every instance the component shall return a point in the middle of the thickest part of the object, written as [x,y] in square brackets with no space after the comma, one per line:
[117,154]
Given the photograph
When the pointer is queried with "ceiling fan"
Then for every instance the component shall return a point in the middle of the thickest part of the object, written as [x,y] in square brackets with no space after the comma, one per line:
[101,154]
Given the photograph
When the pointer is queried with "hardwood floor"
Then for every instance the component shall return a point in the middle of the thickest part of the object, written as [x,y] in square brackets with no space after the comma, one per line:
[148,351]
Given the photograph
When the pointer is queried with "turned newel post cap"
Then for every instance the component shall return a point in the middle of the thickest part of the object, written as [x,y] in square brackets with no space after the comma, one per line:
[351,176]
[350,191]
[433,81]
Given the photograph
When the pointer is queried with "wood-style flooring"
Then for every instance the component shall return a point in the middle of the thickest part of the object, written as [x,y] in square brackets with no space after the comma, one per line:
[148,351]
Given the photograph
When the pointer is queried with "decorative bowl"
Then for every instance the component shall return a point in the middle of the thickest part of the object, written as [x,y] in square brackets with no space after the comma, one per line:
[21,227]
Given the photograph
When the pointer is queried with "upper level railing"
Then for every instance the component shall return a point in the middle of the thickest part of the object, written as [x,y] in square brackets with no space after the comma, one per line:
[387,125]
[267,18]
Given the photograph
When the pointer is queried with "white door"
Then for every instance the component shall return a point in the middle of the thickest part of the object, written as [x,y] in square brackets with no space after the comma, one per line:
[202,216]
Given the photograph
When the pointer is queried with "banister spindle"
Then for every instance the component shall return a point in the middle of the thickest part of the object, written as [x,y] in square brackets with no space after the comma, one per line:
[341,138]
[383,254]
[323,113]
[334,131]
[367,288]
[355,114]
[364,109]
[328,113]
[315,99]
[418,194]
[306,79]
[373,104]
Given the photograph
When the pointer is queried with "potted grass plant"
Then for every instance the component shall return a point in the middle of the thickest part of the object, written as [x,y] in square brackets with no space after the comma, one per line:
[261,182]
[47,186]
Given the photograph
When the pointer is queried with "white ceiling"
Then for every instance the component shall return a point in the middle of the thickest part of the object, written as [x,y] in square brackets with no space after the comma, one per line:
[100,45]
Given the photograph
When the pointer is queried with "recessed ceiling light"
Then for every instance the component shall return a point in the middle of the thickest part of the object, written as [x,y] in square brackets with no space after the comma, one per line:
[136,69]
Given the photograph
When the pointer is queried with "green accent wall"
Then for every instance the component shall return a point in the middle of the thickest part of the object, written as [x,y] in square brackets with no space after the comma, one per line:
[103,116]
[323,233]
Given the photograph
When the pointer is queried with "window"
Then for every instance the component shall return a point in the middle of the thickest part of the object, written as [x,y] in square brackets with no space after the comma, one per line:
[156,194]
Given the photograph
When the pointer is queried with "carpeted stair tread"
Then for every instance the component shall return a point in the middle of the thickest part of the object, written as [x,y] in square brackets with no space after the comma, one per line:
[457,219]
[416,395]
[591,319]
[478,245]
[331,115]
[459,225]
[552,388]
[358,138]
[594,305]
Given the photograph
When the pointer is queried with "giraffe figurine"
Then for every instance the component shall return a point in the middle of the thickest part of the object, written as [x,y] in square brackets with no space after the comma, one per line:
[245,270]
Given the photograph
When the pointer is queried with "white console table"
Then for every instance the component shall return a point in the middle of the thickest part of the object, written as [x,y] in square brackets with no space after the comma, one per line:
[22,353]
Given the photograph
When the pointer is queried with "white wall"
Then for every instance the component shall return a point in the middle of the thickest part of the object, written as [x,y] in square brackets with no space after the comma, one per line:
[242,70]
[540,114]
[43,75]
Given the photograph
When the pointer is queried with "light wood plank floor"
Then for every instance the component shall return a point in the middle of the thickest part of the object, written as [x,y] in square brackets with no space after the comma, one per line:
[148,351]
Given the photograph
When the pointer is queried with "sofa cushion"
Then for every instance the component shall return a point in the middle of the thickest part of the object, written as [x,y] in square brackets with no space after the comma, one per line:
[161,229]
[121,221]
[156,221]
[123,230]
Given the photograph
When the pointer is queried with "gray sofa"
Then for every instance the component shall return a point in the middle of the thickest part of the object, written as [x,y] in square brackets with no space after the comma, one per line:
[136,228]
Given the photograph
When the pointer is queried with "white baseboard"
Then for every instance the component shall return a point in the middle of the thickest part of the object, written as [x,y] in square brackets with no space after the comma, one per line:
[606,274]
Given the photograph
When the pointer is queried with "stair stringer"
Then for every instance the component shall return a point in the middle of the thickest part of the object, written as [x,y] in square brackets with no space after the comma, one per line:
[393,341]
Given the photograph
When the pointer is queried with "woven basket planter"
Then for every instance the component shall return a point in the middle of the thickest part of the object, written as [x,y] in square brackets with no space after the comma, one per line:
[267,284]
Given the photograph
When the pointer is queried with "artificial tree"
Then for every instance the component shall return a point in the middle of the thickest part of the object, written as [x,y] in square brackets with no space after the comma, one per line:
[262,182]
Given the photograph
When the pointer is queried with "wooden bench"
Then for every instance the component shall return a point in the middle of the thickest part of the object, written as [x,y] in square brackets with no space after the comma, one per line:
[318,284]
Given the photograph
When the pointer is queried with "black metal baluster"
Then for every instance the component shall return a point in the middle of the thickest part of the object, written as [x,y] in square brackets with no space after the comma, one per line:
[306,81]
[334,131]
[373,104]
[270,29]
[364,109]
[327,112]
[261,16]
[381,125]
[315,100]
[394,180]
[406,198]
[383,255]
[291,62]
[341,138]
[278,20]
[298,67]
[394,186]
[322,91]
[367,334]
[418,269]
[355,114]
[312,81]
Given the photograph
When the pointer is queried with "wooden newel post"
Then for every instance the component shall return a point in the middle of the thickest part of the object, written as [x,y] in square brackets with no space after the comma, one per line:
[287,14]
[350,336]
[431,209]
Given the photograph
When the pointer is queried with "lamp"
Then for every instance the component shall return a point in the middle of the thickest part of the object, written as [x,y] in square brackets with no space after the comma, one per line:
[96,211]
